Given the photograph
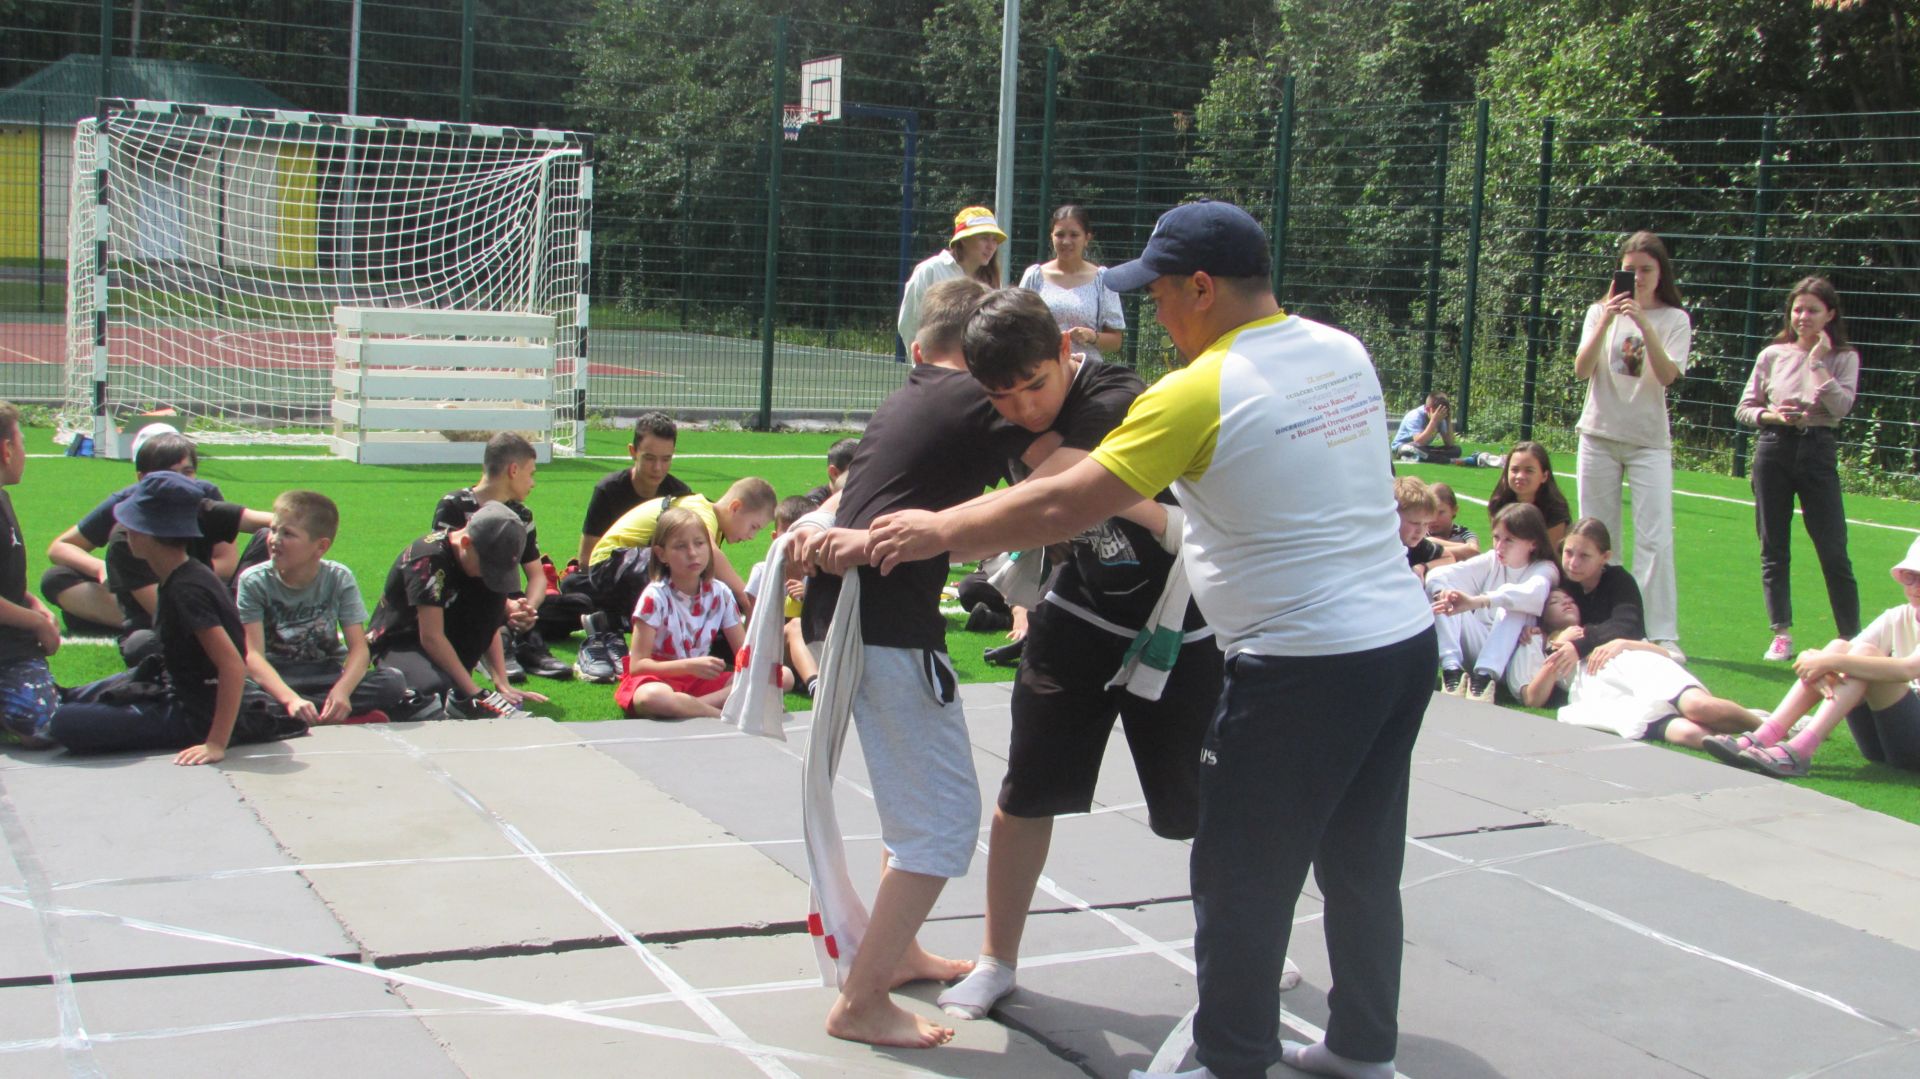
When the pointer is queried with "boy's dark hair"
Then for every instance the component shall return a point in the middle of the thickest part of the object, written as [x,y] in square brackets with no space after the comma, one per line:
[505,450]
[9,420]
[1443,494]
[944,313]
[315,512]
[1011,332]
[791,509]
[840,454]
[657,424]
[754,494]
[1524,522]
[162,452]
[1439,397]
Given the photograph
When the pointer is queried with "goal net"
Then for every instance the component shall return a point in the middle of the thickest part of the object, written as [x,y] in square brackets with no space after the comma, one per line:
[210,246]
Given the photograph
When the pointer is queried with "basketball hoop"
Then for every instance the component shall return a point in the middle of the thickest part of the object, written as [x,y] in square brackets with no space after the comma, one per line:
[795,117]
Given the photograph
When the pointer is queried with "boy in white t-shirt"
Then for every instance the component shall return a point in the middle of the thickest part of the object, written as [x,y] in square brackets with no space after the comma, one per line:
[1868,681]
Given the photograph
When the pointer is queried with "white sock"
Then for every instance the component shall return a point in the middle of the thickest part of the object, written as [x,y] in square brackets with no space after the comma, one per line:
[1197,1073]
[1320,1060]
[973,996]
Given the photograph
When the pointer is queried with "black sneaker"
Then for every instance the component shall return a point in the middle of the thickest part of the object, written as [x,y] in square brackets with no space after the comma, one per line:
[1480,688]
[515,672]
[603,654]
[984,619]
[485,706]
[1453,682]
[1007,655]
[530,649]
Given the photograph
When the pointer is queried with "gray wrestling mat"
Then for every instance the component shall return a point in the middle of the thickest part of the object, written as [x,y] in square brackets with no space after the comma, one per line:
[626,898]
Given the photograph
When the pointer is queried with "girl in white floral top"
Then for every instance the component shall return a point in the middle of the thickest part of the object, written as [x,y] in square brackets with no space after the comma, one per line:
[1075,289]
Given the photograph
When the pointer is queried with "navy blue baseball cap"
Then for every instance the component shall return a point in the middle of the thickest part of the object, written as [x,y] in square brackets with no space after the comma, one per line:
[164,504]
[1218,238]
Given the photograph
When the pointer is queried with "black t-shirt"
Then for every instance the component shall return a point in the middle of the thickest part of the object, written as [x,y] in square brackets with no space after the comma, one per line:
[15,644]
[457,507]
[613,496]
[128,572]
[1115,569]
[1611,612]
[932,444]
[428,574]
[193,599]
[1424,552]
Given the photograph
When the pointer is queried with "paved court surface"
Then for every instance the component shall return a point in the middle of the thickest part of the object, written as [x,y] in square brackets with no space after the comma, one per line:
[516,898]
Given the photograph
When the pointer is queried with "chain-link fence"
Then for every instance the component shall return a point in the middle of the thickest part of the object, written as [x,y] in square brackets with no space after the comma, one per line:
[736,273]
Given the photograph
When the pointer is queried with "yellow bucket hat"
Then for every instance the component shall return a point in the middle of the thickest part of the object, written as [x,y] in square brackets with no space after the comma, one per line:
[973,221]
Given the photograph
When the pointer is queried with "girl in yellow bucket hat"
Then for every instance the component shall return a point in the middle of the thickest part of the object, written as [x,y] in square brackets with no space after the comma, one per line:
[973,251]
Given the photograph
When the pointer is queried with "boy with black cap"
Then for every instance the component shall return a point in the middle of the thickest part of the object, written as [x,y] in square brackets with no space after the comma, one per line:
[197,701]
[442,610]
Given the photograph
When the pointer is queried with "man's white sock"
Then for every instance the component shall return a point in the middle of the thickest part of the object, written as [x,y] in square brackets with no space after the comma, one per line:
[1320,1060]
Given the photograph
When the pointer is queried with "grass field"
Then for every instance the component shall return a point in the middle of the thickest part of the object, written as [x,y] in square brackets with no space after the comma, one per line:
[1723,623]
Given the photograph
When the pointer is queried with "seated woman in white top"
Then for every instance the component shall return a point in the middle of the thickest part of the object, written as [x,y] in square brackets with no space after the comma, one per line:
[1075,290]
[970,253]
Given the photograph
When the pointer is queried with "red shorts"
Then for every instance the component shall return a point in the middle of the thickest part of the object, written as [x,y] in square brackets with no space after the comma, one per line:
[687,684]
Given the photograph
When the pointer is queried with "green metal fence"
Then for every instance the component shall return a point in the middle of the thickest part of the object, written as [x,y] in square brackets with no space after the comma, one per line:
[736,273]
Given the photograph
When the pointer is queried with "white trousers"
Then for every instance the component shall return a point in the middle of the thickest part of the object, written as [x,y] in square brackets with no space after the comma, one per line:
[1485,640]
[1603,465]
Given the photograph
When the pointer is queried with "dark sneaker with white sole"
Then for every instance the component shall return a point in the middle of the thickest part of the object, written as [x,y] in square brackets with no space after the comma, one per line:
[492,705]
[603,655]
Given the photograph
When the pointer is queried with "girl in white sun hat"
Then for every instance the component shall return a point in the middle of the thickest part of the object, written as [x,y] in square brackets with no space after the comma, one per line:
[1868,681]
[973,251]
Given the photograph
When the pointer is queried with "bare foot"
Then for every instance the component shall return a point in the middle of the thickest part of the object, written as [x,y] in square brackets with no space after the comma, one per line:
[920,965]
[885,1024]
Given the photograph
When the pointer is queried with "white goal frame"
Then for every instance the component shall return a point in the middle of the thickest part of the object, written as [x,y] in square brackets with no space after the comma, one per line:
[210,247]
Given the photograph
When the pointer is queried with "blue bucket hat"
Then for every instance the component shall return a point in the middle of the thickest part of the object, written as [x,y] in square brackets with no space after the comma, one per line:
[1218,238]
[163,504]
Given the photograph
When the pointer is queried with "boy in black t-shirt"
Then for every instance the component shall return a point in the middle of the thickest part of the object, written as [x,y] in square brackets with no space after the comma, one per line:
[652,446]
[935,442]
[441,612]
[198,704]
[1101,601]
[1418,505]
[507,468]
[28,634]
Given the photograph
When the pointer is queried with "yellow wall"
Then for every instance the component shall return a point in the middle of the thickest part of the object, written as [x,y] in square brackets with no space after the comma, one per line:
[19,192]
[299,209]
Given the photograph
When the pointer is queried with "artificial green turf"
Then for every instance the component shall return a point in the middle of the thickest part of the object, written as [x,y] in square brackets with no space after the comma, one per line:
[1723,622]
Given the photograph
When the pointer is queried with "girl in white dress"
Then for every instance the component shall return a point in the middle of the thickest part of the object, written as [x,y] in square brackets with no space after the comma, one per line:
[1075,290]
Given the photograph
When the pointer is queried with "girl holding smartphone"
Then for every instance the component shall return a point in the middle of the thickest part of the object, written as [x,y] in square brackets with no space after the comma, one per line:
[1802,386]
[1634,345]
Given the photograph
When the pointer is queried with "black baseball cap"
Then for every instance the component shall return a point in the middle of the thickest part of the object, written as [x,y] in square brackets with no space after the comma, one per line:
[1216,237]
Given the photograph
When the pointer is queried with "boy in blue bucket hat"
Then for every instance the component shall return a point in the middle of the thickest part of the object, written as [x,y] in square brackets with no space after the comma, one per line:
[192,699]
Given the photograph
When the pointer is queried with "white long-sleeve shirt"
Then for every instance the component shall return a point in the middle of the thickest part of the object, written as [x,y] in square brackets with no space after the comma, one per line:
[1522,590]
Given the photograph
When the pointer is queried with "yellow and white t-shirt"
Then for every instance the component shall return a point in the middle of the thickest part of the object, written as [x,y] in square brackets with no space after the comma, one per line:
[1272,439]
[635,527]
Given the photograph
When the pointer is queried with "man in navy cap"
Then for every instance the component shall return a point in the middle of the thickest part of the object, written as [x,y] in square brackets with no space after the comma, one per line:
[196,707]
[1271,438]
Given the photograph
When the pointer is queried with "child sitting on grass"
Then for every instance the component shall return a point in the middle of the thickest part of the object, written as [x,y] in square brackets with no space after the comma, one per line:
[1453,537]
[1528,478]
[441,612]
[799,658]
[295,610]
[28,633]
[1868,681]
[674,624]
[1484,603]
[1417,509]
[196,704]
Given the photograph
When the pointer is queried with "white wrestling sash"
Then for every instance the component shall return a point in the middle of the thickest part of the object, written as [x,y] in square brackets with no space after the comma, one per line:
[836,917]
[757,705]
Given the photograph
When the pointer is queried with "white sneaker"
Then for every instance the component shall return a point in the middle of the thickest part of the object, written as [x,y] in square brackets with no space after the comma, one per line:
[1781,650]
[1289,974]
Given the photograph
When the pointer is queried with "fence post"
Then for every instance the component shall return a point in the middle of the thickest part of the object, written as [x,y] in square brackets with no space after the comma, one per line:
[466,60]
[1751,329]
[1474,214]
[1441,139]
[1282,182]
[40,206]
[686,229]
[1542,199]
[1046,155]
[1139,229]
[770,283]
[106,48]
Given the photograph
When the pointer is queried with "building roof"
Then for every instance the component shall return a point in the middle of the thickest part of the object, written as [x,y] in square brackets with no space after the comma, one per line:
[70,88]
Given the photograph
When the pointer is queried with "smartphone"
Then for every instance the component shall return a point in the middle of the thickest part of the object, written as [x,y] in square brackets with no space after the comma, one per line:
[1622,282]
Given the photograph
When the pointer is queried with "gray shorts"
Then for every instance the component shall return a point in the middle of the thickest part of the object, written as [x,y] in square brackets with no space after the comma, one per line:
[913,733]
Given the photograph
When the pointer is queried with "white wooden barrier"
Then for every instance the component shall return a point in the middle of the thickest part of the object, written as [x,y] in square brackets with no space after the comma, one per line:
[409,383]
